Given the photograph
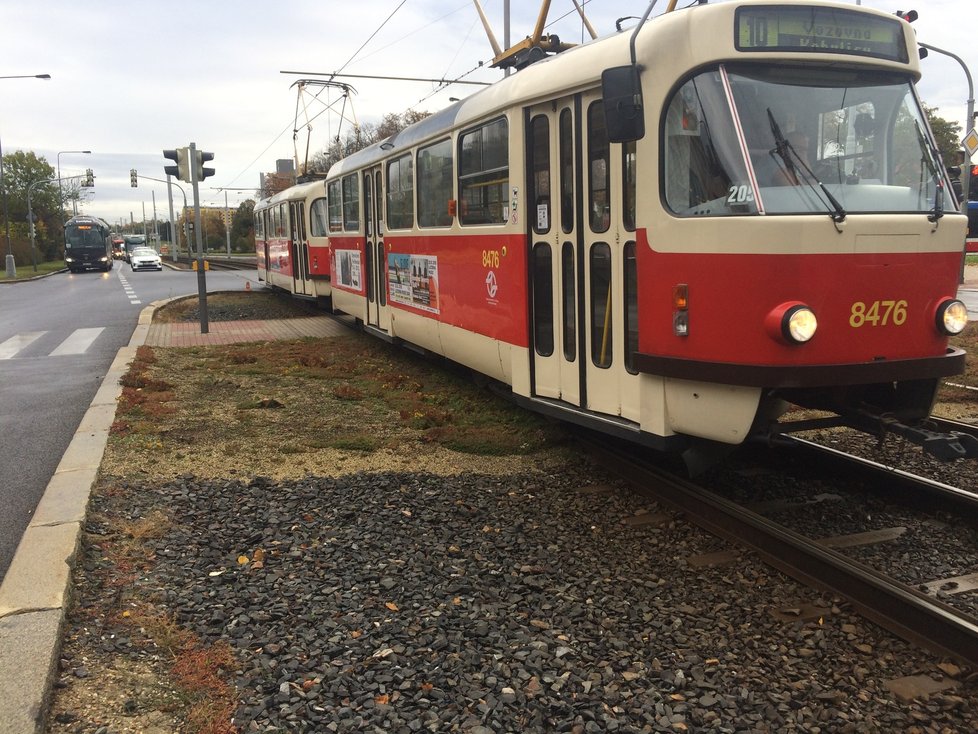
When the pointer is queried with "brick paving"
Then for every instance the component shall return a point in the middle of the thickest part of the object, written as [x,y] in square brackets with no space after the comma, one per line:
[187,334]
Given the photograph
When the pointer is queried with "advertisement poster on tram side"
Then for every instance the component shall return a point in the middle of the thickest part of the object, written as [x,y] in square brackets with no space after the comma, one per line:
[413,281]
[347,269]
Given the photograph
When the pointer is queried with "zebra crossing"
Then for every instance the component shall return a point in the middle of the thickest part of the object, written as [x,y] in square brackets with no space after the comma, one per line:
[21,346]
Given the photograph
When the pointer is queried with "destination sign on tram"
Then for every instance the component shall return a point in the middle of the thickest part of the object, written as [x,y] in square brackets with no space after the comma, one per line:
[818,29]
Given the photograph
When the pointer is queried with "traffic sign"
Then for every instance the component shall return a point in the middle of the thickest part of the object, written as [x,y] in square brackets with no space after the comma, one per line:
[970,142]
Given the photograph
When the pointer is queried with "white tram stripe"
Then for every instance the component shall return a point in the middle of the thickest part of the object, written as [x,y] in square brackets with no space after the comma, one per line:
[78,342]
[15,343]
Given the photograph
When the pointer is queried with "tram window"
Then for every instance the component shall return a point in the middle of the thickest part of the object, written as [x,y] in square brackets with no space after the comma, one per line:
[335,207]
[379,198]
[278,222]
[400,193]
[705,172]
[566,134]
[599,201]
[318,220]
[602,325]
[539,195]
[568,286]
[435,184]
[260,225]
[631,306]
[543,300]
[351,203]
[628,184]
[483,175]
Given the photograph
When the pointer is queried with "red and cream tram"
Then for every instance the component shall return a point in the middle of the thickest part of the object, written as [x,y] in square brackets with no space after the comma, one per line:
[676,232]
[290,241]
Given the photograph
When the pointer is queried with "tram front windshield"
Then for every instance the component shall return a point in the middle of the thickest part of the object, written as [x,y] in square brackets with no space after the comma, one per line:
[743,139]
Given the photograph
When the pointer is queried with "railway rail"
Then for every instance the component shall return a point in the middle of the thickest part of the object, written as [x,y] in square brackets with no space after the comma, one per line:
[905,611]
[238,262]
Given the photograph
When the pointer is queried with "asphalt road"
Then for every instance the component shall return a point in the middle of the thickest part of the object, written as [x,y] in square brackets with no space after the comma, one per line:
[58,337]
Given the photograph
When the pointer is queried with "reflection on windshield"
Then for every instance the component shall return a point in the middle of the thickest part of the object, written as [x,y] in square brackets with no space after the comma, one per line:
[816,142]
[90,237]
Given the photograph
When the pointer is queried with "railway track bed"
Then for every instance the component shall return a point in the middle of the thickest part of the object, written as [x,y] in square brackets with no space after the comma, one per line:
[549,596]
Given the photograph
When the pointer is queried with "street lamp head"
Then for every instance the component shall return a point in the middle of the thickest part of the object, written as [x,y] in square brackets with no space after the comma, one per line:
[42,76]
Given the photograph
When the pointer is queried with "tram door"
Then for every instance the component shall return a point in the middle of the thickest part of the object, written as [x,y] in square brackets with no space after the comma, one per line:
[378,314]
[300,249]
[582,258]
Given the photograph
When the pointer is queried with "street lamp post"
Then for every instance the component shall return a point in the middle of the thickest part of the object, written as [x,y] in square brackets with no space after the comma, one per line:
[968,124]
[11,267]
[227,211]
[60,191]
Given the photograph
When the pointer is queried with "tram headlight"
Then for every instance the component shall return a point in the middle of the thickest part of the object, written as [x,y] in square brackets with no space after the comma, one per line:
[800,324]
[792,323]
[952,317]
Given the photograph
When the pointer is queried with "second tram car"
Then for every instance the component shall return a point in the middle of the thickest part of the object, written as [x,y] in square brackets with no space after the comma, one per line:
[291,242]
[672,234]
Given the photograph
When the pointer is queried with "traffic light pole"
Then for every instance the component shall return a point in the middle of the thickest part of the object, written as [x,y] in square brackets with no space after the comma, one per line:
[201,280]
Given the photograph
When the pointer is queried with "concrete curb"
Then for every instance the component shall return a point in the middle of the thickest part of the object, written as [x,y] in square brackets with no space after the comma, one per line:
[36,592]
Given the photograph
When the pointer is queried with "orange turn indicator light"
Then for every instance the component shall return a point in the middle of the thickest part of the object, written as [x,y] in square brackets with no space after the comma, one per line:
[680,296]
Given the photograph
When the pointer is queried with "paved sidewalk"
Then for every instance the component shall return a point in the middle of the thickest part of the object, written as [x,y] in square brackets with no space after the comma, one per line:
[187,333]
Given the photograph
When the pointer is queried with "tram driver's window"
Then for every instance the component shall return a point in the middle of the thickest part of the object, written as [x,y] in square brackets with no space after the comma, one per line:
[704,172]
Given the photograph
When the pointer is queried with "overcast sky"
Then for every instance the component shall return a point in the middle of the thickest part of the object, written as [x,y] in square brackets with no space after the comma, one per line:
[130,77]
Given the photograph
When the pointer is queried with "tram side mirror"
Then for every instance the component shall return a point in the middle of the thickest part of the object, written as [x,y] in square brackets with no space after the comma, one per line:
[621,91]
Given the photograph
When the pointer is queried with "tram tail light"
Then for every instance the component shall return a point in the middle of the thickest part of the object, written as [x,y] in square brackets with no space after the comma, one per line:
[680,309]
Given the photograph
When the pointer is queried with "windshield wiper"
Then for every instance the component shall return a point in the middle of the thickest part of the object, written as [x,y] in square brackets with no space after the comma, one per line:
[928,157]
[786,151]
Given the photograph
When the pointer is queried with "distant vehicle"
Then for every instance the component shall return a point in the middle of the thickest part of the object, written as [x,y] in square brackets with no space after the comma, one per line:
[87,244]
[118,247]
[131,241]
[145,258]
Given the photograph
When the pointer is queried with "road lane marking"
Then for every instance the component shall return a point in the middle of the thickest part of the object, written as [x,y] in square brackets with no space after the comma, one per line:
[130,291]
[15,343]
[79,341]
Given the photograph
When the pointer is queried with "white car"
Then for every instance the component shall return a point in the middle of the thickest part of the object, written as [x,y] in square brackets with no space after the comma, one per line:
[145,258]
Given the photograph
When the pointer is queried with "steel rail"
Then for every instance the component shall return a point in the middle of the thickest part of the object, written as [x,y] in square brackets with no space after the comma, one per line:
[947,425]
[904,611]
[963,503]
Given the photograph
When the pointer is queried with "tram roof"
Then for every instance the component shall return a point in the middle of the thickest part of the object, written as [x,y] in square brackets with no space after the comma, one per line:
[579,68]
[298,191]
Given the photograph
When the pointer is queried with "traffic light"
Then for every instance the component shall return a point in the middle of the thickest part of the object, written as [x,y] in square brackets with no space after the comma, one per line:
[89,179]
[132,178]
[182,158]
[202,158]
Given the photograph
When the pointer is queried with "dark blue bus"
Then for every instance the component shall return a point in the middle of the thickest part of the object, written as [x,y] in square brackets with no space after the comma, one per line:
[88,244]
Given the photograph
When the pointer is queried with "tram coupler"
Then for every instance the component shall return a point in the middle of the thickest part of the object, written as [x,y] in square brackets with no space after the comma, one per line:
[943,446]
